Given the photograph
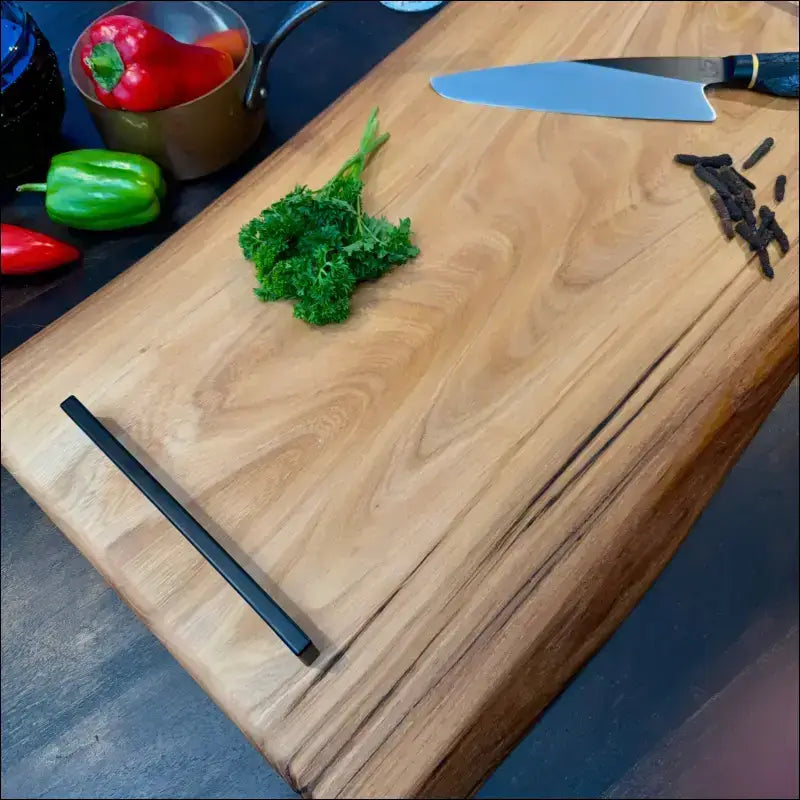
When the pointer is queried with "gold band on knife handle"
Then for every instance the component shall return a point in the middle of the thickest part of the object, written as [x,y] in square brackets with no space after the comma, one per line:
[755,72]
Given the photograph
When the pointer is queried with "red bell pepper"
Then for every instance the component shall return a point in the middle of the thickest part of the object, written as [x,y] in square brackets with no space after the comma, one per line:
[24,252]
[135,66]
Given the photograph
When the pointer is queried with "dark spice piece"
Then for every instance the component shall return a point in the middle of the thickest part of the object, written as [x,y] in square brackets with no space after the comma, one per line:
[722,160]
[722,213]
[759,153]
[766,267]
[719,206]
[749,216]
[711,177]
[748,183]
[750,235]
[766,214]
[727,228]
[731,180]
[780,236]
[764,234]
[733,208]
[780,188]
[770,224]
[748,198]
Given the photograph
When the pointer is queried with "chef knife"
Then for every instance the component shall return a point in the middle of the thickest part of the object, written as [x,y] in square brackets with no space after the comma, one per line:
[639,88]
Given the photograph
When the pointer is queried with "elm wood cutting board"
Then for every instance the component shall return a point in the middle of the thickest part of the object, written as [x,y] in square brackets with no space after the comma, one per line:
[460,492]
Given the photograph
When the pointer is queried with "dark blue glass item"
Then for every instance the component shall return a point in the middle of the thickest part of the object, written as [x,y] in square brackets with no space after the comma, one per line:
[32,105]
[16,43]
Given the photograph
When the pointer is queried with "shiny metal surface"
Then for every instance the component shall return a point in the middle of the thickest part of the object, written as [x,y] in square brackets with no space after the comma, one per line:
[197,138]
[575,87]
[193,139]
[295,14]
[699,70]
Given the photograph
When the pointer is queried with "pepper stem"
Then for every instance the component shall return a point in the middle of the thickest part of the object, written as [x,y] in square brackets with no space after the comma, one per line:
[32,187]
[106,65]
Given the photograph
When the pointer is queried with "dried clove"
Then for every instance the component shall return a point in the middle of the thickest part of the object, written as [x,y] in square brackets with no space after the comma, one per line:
[710,177]
[727,228]
[780,188]
[750,235]
[758,245]
[780,236]
[766,214]
[758,153]
[748,183]
[735,204]
[722,213]
[719,206]
[722,160]
[770,229]
[766,267]
[765,233]
[733,208]
[731,180]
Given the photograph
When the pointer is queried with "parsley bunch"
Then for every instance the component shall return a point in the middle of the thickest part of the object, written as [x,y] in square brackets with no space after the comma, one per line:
[314,246]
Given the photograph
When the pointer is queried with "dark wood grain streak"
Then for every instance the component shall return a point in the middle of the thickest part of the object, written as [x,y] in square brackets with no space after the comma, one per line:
[456,489]
[670,520]
[520,525]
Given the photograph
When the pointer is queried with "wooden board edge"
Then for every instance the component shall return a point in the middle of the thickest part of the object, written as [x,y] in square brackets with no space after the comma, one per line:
[768,368]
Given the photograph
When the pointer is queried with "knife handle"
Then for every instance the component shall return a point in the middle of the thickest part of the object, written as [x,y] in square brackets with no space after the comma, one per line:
[769,73]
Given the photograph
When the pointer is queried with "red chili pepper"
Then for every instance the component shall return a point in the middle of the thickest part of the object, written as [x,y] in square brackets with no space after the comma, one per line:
[135,66]
[24,252]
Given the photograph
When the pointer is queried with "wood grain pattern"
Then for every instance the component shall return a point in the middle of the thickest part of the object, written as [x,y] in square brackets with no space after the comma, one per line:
[463,490]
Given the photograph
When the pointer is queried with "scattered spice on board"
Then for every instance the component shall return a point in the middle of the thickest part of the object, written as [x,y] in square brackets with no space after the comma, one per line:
[722,213]
[766,267]
[711,177]
[766,215]
[735,204]
[758,153]
[735,209]
[723,160]
[727,228]
[758,241]
[731,180]
[780,237]
[780,188]
[749,234]
[746,181]
[770,228]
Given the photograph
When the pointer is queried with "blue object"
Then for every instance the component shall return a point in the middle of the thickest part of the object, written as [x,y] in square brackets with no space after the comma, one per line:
[33,96]
[411,5]
[16,43]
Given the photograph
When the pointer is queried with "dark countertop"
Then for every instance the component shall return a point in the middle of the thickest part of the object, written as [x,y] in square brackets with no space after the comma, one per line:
[694,695]
[353,36]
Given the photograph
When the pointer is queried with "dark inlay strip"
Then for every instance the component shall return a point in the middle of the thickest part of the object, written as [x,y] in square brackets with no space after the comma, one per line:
[287,630]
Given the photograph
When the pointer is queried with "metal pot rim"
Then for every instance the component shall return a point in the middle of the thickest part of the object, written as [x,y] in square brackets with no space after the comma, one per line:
[92,99]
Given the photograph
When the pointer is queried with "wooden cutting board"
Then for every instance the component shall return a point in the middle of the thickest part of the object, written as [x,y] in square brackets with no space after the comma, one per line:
[461,491]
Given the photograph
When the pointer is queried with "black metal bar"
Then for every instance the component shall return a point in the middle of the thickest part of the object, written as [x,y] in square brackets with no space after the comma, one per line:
[284,626]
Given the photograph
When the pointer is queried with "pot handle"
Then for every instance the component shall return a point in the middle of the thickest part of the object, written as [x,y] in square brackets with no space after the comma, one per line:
[256,92]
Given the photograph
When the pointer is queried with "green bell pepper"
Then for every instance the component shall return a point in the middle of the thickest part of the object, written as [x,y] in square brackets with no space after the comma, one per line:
[101,190]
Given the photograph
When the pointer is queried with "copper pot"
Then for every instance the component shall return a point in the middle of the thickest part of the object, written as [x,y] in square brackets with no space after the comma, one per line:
[208,133]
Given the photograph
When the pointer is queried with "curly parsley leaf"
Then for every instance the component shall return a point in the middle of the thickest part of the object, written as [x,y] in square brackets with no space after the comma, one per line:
[314,246]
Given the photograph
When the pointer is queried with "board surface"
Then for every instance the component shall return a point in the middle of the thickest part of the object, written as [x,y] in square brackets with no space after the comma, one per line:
[460,492]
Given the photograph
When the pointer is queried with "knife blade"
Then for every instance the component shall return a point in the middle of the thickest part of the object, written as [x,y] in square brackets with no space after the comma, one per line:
[638,88]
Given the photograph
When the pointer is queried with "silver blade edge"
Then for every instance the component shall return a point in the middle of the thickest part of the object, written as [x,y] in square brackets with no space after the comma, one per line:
[575,87]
